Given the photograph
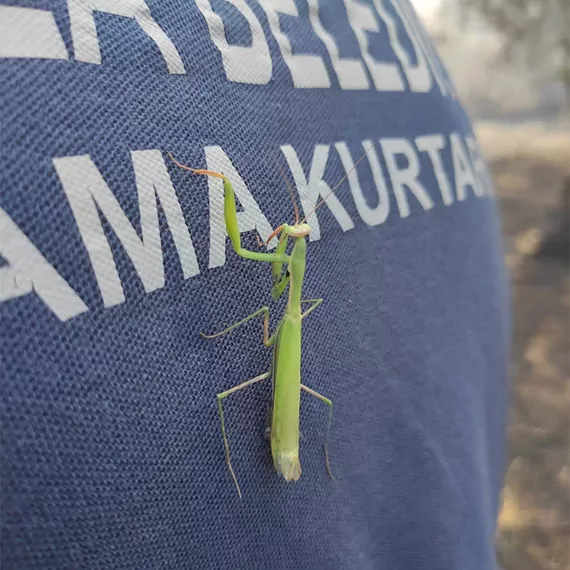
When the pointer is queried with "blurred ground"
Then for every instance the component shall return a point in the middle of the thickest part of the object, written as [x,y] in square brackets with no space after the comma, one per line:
[529,163]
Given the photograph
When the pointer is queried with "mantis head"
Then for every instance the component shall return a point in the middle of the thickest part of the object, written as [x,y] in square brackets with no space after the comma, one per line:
[299,230]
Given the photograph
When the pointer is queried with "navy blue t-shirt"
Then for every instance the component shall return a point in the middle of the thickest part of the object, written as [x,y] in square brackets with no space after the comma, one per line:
[112,260]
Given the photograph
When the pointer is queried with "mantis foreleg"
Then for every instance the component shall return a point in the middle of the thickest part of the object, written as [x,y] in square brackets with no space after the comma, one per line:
[280,280]
[230,216]
[280,286]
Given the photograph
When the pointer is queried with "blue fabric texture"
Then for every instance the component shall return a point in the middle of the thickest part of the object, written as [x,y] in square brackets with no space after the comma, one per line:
[112,455]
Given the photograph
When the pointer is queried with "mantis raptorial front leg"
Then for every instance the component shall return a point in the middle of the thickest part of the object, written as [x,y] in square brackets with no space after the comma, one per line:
[219,398]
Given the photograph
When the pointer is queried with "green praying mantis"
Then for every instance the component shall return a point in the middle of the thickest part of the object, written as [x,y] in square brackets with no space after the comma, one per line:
[287,270]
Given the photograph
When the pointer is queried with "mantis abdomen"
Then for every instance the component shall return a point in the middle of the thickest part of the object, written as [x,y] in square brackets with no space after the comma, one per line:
[287,399]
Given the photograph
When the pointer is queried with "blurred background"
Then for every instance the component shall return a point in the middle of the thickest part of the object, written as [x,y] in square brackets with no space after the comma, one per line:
[510,62]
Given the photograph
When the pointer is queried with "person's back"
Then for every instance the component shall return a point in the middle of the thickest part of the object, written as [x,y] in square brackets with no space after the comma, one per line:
[112,260]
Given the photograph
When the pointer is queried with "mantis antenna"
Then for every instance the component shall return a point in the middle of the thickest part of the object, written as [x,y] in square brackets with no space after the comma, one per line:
[323,200]
[290,189]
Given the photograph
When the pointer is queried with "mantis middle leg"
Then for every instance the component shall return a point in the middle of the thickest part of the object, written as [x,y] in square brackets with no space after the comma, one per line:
[267,340]
[316,303]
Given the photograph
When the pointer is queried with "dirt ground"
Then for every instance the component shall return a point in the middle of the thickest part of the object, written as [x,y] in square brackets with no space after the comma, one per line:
[529,163]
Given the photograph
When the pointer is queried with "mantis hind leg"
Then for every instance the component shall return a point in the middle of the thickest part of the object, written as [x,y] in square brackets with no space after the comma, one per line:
[329,403]
[221,396]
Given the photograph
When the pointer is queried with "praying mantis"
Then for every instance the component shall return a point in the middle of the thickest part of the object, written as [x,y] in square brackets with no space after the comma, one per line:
[287,270]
